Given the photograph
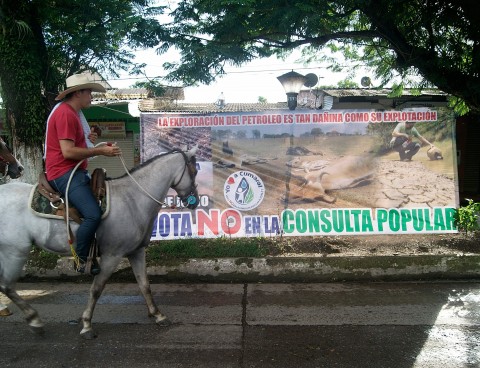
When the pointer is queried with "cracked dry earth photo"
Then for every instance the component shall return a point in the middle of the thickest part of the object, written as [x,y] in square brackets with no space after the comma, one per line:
[340,172]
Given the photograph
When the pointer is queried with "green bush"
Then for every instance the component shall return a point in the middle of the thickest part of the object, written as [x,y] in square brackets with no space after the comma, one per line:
[466,217]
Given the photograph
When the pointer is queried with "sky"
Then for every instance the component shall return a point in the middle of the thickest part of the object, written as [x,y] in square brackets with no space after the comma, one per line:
[240,84]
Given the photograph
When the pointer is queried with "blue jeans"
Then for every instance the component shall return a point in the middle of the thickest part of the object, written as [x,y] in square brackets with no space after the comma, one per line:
[81,197]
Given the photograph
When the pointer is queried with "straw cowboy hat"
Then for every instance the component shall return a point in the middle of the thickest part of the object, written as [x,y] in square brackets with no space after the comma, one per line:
[77,82]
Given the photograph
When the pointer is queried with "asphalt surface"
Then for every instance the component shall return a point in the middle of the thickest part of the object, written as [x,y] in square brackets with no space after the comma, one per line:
[371,324]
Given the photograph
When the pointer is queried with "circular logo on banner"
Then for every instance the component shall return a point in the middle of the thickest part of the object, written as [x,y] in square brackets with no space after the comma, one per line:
[244,190]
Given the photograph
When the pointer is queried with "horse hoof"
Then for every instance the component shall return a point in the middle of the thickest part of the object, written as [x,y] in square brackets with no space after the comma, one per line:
[5,312]
[88,335]
[165,322]
[37,330]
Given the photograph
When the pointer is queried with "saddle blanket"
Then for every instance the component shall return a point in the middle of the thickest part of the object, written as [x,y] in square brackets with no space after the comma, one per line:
[40,205]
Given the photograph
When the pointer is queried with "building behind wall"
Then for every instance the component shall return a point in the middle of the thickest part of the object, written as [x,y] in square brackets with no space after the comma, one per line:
[468,157]
[116,125]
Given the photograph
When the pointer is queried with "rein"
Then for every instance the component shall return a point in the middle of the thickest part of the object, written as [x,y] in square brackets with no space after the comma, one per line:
[173,186]
[138,184]
[190,199]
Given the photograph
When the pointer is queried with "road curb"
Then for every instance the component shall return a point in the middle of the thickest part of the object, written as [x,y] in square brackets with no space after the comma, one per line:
[292,269]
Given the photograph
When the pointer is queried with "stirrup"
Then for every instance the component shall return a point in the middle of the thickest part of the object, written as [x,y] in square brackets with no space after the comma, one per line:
[92,267]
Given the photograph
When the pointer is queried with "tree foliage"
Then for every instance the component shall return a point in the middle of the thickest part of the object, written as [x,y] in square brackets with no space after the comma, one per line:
[21,68]
[154,86]
[410,42]
[44,41]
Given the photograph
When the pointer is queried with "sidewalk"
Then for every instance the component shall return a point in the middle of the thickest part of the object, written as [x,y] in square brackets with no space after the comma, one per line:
[251,325]
[294,269]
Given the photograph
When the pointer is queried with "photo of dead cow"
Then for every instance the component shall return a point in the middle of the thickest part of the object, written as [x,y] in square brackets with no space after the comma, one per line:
[337,166]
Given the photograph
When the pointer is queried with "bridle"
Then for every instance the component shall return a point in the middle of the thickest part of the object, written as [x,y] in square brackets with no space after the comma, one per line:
[189,200]
[6,159]
[4,171]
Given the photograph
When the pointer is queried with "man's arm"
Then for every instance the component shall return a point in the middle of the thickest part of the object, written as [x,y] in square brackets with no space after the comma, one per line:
[70,152]
[396,132]
[425,141]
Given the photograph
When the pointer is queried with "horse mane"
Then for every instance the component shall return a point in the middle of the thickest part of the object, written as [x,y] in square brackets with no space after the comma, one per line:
[146,163]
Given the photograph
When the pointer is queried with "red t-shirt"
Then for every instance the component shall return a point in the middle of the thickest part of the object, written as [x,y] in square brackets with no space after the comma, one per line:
[63,124]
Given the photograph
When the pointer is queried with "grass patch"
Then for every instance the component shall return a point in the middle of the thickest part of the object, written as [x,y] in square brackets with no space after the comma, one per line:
[207,248]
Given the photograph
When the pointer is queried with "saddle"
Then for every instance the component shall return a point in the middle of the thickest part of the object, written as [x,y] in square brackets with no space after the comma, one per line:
[55,199]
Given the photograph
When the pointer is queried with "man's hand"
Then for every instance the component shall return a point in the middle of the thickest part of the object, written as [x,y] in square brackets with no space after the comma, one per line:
[92,137]
[111,150]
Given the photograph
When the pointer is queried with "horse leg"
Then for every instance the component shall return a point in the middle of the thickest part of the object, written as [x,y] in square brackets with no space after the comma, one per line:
[31,315]
[139,267]
[108,265]
[4,311]
[11,265]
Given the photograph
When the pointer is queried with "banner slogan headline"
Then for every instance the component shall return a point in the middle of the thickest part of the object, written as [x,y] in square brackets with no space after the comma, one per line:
[195,121]
[305,222]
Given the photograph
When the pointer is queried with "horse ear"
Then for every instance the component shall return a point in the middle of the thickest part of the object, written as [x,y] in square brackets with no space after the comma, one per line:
[193,150]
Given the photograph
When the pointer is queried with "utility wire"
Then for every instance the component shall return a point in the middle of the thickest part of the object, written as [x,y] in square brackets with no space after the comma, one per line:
[229,72]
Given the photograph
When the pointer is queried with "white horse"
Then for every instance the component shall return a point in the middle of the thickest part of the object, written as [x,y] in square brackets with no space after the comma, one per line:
[9,165]
[125,232]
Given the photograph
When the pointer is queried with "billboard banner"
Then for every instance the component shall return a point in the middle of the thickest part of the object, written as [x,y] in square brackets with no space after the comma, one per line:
[313,172]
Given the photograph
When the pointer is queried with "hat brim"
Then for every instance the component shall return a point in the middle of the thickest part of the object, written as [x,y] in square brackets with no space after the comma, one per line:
[95,87]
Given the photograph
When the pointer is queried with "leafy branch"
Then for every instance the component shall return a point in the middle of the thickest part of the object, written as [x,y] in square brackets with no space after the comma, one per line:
[466,217]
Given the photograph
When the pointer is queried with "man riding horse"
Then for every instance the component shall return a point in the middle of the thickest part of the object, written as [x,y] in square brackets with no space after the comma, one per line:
[66,149]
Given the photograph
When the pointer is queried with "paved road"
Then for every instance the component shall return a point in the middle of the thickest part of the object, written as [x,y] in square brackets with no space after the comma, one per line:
[400,325]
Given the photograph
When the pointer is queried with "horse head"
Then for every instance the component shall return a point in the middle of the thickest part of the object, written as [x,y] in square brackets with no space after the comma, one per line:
[9,165]
[185,185]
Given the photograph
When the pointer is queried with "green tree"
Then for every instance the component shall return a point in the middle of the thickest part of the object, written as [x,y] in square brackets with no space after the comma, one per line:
[154,86]
[44,41]
[409,42]
[22,69]
[346,83]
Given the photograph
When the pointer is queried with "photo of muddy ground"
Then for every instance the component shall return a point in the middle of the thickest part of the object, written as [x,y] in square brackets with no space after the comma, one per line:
[337,172]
